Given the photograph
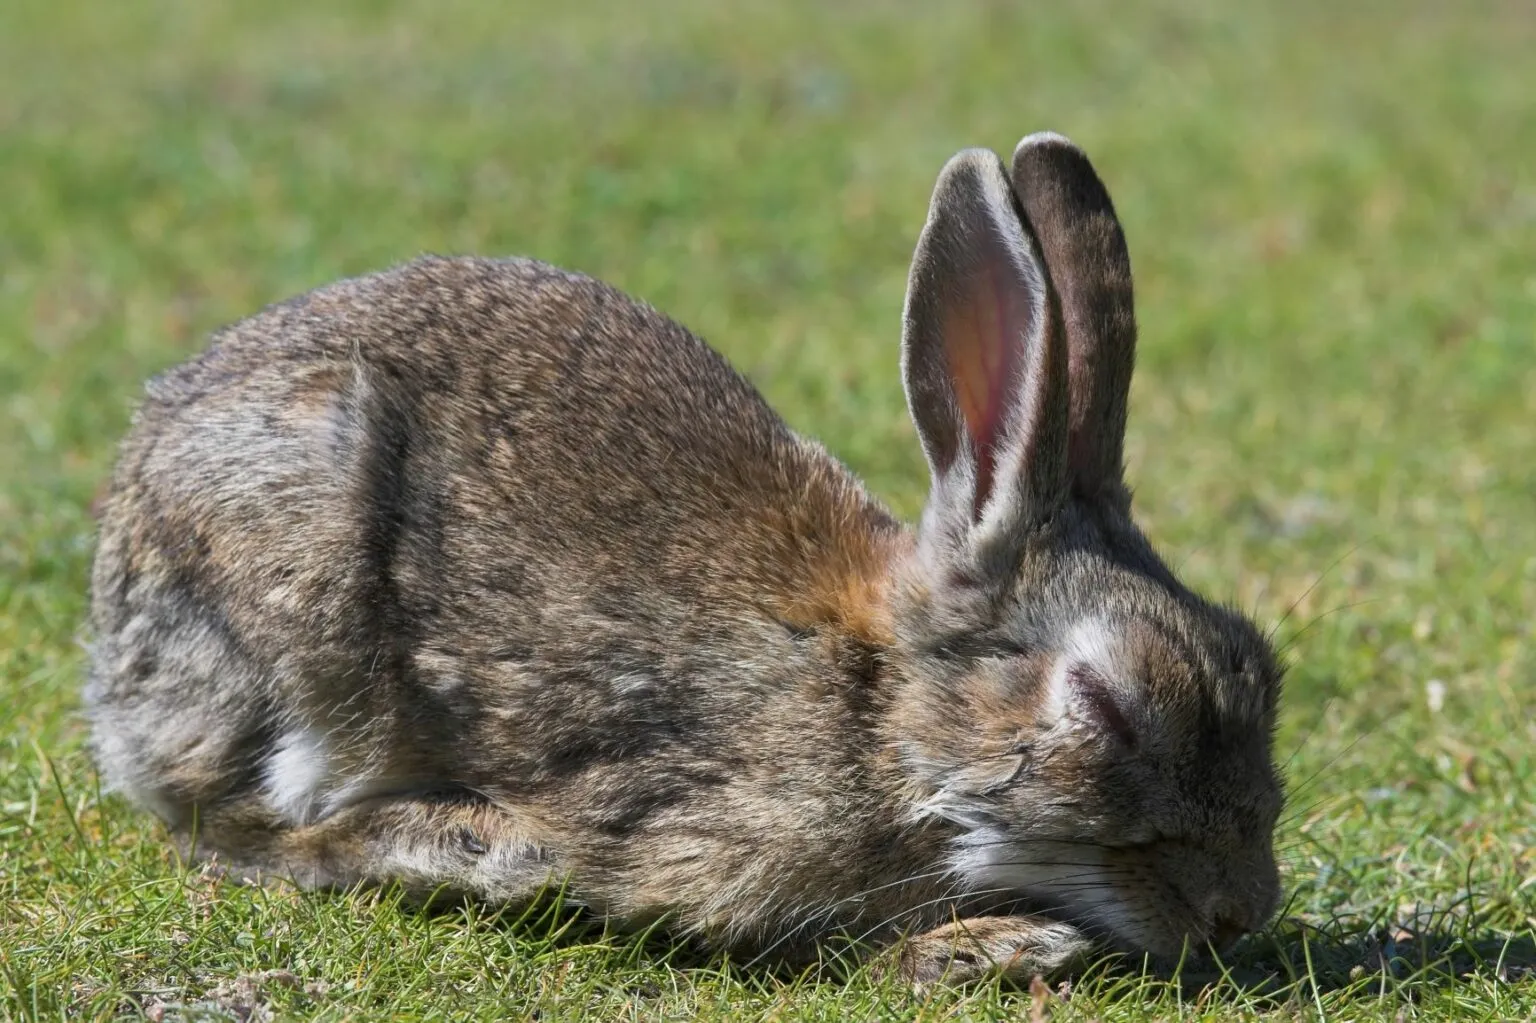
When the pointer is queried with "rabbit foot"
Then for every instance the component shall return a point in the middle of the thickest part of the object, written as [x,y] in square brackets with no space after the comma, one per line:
[430,846]
[427,845]
[1017,947]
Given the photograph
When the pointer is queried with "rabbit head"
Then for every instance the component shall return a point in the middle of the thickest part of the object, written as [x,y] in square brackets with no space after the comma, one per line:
[1099,735]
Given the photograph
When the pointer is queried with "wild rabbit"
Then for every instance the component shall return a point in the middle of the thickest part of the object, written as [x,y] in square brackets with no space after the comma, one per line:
[480,574]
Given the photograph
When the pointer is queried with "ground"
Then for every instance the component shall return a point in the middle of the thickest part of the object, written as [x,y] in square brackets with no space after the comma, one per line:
[1331,209]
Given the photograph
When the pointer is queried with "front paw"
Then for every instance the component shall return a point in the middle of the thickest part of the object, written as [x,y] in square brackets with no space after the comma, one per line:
[1017,947]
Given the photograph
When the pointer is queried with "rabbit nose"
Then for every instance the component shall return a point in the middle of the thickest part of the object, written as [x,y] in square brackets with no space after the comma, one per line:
[1225,930]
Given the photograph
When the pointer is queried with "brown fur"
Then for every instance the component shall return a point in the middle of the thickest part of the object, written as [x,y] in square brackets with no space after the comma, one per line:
[480,574]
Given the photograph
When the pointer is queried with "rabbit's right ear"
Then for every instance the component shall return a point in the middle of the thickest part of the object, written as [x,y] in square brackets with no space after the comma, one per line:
[984,367]
[1080,238]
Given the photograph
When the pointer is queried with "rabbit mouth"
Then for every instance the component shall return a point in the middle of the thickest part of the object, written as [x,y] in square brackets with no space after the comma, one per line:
[1109,933]
[1121,907]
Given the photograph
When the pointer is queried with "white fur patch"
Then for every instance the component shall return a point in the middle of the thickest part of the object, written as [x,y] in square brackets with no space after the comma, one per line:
[1066,874]
[298,774]
[631,682]
[1092,644]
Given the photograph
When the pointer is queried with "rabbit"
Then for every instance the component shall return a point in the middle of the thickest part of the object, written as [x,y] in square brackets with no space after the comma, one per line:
[480,575]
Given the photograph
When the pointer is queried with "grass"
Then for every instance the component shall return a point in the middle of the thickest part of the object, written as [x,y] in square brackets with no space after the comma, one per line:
[1332,213]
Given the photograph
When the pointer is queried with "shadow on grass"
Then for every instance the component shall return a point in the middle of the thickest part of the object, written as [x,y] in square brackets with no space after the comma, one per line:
[1295,961]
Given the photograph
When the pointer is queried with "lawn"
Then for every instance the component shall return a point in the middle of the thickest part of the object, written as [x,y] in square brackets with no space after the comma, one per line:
[1331,209]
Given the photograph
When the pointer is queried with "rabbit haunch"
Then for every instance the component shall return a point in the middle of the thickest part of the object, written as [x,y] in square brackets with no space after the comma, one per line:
[481,575]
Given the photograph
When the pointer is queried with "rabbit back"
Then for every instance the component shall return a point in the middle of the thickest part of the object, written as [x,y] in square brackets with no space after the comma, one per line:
[469,523]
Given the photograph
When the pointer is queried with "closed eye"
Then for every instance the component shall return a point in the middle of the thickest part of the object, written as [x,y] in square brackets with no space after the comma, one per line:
[1151,838]
[975,648]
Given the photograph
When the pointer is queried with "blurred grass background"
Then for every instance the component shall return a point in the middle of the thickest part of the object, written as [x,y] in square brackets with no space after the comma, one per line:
[1331,209]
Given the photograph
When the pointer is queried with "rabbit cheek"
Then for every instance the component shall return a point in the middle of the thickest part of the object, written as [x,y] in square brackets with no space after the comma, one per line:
[1148,913]
[1068,880]
[1171,897]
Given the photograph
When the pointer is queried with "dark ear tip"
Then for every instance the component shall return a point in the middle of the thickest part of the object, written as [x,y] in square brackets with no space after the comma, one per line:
[1046,164]
[1045,140]
[1046,152]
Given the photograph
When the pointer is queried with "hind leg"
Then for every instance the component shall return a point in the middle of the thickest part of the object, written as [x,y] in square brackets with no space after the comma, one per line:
[425,843]
[179,713]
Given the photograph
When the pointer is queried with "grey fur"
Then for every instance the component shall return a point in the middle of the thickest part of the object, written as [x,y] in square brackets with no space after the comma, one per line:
[481,574]
[977,280]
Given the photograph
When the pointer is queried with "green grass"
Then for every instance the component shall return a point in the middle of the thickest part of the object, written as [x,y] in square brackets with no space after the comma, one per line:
[1331,208]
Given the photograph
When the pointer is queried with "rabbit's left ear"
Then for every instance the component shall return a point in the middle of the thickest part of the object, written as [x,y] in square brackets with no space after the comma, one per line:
[1069,210]
[984,367]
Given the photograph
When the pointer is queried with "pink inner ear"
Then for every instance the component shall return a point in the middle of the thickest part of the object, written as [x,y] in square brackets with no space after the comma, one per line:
[984,343]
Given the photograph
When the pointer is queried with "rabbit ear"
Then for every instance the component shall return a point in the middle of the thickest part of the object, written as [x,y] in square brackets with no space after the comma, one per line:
[984,368]
[1069,209]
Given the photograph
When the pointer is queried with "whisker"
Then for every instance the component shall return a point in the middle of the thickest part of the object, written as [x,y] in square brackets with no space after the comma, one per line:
[1311,730]
[1332,761]
[1308,591]
[1093,870]
[1022,841]
[1284,649]
[826,913]
[1296,814]
[910,910]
